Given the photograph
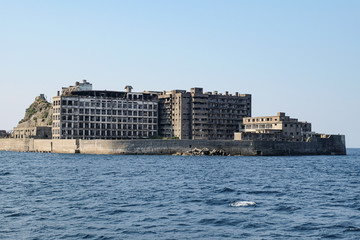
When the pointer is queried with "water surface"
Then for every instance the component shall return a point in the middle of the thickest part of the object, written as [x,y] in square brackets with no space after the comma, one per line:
[64,196]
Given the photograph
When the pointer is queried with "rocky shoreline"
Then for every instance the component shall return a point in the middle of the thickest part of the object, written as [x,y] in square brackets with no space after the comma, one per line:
[203,152]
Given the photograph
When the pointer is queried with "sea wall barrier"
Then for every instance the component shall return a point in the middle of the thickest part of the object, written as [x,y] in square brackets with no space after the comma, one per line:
[331,145]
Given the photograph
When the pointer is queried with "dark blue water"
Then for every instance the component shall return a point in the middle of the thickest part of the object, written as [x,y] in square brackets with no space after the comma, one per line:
[59,196]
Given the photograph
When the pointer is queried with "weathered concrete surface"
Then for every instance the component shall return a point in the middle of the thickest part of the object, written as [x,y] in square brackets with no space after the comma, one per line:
[166,147]
[11,144]
[64,146]
[42,145]
[334,144]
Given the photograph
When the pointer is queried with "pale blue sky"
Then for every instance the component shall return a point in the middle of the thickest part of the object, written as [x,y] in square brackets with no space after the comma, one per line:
[299,57]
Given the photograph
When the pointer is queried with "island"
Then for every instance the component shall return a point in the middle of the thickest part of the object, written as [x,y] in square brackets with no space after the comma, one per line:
[177,122]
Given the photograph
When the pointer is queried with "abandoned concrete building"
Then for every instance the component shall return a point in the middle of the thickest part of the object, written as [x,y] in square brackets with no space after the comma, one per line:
[82,113]
[198,115]
[83,86]
[39,132]
[273,128]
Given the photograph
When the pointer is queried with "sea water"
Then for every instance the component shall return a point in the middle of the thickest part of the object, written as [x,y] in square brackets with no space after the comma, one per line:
[74,196]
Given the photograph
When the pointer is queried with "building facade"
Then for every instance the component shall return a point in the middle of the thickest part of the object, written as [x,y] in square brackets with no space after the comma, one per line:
[175,114]
[82,113]
[39,132]
[79,86]
[198,115]
[276,128]
[88,114]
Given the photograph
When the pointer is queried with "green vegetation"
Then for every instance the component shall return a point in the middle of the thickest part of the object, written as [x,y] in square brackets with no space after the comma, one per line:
[164,138]
[29,113]
[155,137]
[50,122]
[44,114]
[39,109]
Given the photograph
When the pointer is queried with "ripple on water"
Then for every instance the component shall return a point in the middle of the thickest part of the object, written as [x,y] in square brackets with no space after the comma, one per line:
[242,204]
[2,173]
[226,190]
[263,192]
[307,226]
[222,221]
[285,208]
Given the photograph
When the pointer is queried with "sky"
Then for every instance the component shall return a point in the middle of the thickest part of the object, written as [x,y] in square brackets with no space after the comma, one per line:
[297,57]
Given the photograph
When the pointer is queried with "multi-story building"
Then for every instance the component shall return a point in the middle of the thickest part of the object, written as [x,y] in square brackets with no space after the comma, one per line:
[175,114]
[82,113]
[198,115]
[279,127]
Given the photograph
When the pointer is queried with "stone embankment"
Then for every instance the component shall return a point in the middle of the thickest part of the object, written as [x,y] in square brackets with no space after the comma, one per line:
[331,145]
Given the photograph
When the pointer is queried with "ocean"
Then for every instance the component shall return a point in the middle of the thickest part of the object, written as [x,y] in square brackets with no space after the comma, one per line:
[75,196]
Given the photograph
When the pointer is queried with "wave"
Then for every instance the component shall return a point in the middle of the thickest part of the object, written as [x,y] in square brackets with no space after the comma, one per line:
[263,192]
[226,189]
[242,204]
[352,229]
[4,173]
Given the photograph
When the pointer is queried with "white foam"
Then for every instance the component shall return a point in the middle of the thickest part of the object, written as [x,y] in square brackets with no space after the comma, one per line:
[242,204]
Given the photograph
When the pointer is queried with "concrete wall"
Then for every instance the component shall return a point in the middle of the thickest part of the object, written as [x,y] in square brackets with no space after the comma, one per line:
[19,145]
[148,146]
[64,146]
[334,144]
[42,145]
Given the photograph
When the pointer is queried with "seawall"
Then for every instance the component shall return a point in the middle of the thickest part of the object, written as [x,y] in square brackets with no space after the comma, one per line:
[332,145]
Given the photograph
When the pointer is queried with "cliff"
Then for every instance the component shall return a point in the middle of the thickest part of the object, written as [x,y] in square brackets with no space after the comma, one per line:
[39,113]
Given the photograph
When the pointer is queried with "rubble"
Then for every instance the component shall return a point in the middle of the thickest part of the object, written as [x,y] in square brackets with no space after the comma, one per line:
[203,152]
